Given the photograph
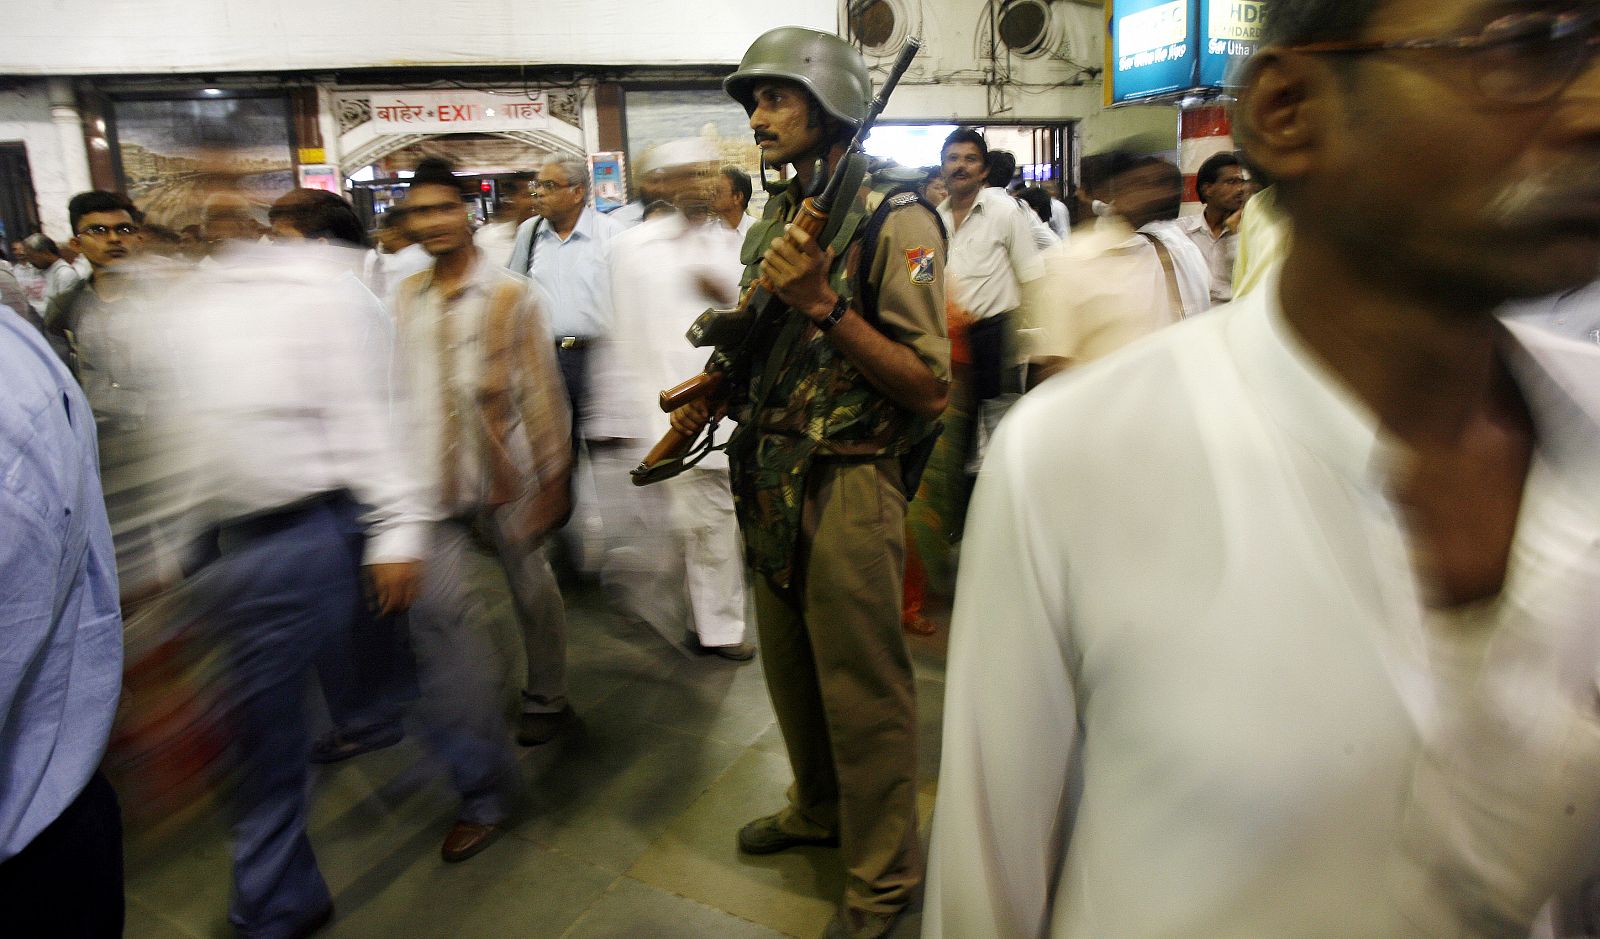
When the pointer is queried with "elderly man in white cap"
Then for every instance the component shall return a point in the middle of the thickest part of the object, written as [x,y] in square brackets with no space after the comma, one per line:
[674,545]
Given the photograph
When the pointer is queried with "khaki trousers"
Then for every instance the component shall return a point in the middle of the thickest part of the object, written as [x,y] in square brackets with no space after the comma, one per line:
[840,679]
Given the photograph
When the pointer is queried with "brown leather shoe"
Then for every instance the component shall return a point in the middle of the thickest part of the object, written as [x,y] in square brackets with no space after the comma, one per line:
[466,839]
[766,835]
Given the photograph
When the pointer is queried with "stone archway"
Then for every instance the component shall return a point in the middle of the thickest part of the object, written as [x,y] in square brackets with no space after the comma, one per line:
[388,144]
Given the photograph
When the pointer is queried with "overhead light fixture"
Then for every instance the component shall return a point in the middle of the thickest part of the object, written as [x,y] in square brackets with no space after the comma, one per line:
[213,92]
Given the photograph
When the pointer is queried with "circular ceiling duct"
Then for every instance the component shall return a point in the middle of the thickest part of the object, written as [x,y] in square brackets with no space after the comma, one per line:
[878,25]
[1024,27]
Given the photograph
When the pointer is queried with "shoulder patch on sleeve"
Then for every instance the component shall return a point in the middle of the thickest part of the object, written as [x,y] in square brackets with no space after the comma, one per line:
[919,265]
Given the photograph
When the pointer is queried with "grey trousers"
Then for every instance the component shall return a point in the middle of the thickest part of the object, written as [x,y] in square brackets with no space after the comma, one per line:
[541,615]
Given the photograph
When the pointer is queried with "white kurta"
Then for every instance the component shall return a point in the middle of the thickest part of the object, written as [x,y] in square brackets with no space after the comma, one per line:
[676,537]
[1192,688]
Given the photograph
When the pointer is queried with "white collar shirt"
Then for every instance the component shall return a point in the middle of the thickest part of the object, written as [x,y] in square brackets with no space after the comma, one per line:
[572,272]
[990,256]
[1060,219]
[1220,251]
[1100,292]
[278,375]
[1575,314]
[1189,264]
[59,278]
[1199,693]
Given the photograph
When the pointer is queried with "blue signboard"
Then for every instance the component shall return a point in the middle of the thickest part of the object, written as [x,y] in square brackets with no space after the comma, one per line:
[1162,48]
[1232,29]
[1153,50]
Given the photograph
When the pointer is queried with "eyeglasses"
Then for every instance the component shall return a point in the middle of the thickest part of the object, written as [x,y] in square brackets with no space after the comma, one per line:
[100,231]
[550,185]
[1518,59]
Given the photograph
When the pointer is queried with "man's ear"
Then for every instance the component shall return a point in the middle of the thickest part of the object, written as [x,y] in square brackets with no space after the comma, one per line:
[74,244]
[1282,117]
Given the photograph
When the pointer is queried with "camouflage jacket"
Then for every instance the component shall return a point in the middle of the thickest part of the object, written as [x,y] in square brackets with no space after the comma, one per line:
[806,399]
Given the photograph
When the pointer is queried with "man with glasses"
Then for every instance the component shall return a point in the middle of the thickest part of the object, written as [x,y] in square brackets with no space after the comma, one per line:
[564,251]
[1284,622]
[1224,187]
[106,231]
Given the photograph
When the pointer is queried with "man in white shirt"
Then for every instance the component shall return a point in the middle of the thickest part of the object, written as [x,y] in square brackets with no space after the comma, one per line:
[675,543]
[396,257]
[1002,173]
[1224,187]
[297,473]
[498,237]
[1122,278]
[490,418]
[1060,217]
[730,199]
[1284,622]
[992,254]
[58,276]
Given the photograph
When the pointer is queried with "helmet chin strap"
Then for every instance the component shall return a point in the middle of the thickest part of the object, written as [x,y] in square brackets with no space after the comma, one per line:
[819,177]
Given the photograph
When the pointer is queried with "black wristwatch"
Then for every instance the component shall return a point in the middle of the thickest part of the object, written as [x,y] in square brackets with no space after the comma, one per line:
[835,315]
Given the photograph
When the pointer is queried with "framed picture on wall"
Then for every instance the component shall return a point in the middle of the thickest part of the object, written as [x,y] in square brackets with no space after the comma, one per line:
[174,152]
[655,116]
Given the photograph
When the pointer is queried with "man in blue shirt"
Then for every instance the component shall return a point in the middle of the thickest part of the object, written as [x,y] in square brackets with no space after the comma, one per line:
[60,656]
[564,252]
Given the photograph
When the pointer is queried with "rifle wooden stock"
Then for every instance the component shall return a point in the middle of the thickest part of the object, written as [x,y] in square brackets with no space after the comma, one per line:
[662,462]
[673,446]
[695,389]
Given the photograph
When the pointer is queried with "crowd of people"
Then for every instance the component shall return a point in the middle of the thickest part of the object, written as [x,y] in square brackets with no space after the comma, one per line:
[1273,619]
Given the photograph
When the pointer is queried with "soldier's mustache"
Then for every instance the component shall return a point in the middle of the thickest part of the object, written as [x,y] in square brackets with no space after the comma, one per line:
[761,136]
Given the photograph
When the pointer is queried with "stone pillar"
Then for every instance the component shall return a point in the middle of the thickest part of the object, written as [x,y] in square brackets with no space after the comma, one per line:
[69,134]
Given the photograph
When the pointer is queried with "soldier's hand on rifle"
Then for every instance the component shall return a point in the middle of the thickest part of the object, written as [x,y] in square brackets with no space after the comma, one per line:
[796,271]
[688,419]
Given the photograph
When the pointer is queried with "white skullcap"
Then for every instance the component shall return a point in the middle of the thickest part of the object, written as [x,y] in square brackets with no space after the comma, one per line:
[679,152]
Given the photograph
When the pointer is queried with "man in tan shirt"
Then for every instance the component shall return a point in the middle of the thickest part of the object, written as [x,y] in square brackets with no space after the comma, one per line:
[484,404]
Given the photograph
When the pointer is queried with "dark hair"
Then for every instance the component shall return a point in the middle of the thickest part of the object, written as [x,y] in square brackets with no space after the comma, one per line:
[317,213]
[1038,200]
[98,200]
[1212,168]
[1093,172]
[1293,22]
[1173,177]
[966,135]
[1002,166]
[437,171]
[740,181]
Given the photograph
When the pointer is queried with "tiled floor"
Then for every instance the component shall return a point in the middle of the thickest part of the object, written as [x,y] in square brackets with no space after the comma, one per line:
[627,830]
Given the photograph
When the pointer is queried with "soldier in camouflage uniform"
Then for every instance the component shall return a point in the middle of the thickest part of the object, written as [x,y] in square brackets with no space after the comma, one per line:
[843,392]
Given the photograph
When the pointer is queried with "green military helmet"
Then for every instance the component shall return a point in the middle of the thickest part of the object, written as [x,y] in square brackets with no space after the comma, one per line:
[830,68]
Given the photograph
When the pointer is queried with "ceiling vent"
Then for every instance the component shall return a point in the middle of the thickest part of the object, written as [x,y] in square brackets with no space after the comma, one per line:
[879,27]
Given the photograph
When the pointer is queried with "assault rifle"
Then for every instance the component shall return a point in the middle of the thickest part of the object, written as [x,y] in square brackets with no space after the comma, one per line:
[735,334]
